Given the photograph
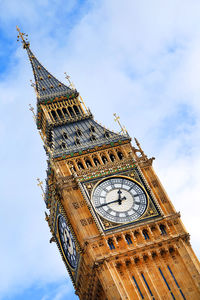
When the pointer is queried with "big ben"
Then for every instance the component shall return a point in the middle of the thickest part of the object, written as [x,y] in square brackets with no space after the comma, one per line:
[116,229]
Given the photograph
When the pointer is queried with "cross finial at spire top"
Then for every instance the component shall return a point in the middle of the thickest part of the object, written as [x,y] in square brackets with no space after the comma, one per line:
[117,118]
[70,82]
[40,184]
[23,37]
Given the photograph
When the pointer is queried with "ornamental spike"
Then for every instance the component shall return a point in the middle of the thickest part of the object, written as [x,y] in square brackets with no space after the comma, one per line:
[40,184]
[23,37]
[123,129]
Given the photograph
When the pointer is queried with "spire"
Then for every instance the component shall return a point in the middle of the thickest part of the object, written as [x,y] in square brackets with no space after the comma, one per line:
[47,86]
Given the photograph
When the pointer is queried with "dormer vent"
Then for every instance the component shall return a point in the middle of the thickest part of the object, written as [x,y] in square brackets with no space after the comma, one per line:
[64,134]
[92,128]
[78,132]
[77,141]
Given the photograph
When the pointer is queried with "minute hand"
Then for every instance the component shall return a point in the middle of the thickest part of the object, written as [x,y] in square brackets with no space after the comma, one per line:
[104,204]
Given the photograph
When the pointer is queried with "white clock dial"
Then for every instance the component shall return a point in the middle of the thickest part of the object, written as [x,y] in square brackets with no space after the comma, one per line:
[67,242]
[120,200]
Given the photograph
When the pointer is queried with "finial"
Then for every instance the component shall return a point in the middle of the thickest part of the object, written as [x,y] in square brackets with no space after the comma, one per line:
[81,101]
[32,110]
[52,239]
[23,37]
[34,86]
[35,119]
[40,184]
[44,141]
[70,82]
[123,129]
[46,216]
[32,83]
[139,147]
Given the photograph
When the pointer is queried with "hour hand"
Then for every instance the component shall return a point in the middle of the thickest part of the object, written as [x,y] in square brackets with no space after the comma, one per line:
[68,242]
[120,198]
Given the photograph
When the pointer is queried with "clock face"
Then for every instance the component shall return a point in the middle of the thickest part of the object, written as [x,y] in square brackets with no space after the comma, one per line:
[67,242]
[120,200]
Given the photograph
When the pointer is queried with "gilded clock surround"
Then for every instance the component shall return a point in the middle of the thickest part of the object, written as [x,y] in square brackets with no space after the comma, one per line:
[150,258]
[152,210]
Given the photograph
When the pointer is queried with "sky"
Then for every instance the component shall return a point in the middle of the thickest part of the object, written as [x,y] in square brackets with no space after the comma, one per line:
[139,59]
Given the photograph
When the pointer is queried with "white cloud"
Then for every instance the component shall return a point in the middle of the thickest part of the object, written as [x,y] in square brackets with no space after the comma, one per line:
[139,59]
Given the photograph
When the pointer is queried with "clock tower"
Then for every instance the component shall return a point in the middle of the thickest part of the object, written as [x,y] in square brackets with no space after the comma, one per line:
[115,227]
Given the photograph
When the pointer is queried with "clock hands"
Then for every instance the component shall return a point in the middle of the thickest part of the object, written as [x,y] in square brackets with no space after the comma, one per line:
[68,242]
[119,200]
[66,239]
[104,204]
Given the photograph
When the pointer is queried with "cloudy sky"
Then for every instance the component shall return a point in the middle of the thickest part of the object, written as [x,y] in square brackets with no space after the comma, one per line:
[140,59]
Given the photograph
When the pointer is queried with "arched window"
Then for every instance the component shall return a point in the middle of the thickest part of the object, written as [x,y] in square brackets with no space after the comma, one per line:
[80,165]
[145,233]
[163,229]
[112,157]
[76,110]
[71,112]
[88,163]
[65,113]
[120,155]
[111,244]
[128,239]
[54,115]
[60,114]
[96,161]
[104,159]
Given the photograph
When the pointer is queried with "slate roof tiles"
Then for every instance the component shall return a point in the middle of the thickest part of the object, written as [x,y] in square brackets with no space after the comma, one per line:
[47,85]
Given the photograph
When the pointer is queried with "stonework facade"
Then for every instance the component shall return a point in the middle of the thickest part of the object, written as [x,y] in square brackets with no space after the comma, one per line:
[114,224]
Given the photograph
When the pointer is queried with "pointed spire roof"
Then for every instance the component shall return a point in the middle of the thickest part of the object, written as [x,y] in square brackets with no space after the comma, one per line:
[47,86]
